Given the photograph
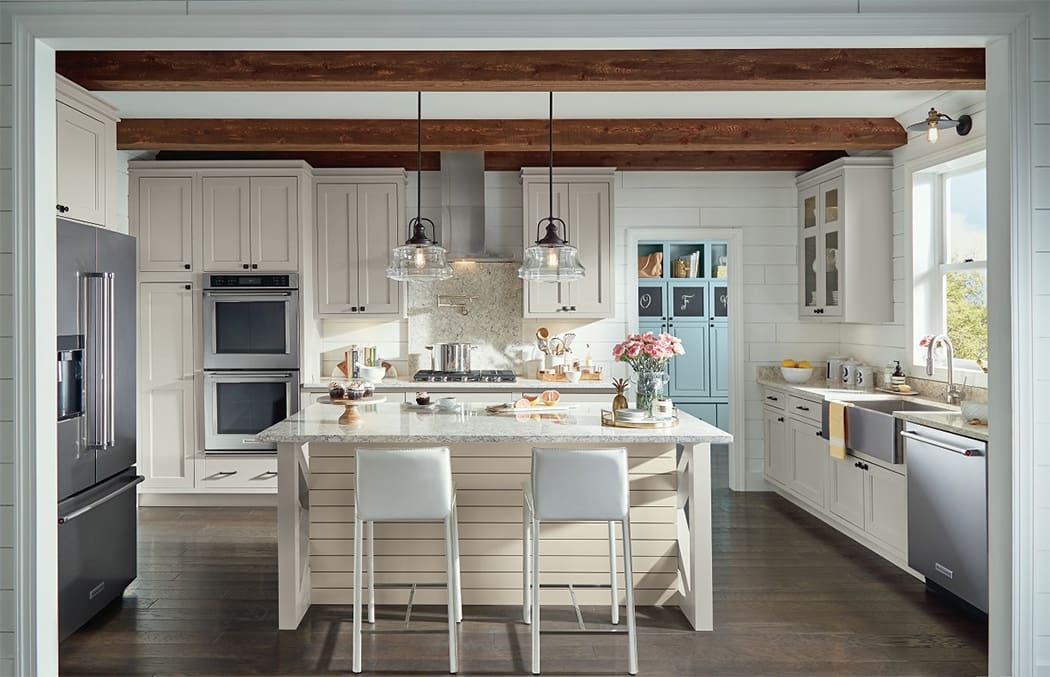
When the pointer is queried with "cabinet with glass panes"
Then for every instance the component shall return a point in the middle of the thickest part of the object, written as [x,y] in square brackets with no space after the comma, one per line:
[683,289]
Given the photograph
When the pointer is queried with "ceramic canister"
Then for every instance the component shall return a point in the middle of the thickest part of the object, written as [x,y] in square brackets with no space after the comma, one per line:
[835,369]
[849,373]
[865,377]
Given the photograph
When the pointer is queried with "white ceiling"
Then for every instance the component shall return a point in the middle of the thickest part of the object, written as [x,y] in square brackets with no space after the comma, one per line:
[494,105]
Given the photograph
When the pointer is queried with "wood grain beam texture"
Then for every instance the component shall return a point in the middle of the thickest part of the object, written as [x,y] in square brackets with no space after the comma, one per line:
[653,135]
[560,70]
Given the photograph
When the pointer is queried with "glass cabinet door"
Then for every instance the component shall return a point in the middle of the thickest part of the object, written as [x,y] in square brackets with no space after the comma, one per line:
[830,284]
[832,275]
[809,263]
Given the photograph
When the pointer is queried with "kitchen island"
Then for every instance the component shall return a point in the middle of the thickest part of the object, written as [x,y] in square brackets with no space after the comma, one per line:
[670,472]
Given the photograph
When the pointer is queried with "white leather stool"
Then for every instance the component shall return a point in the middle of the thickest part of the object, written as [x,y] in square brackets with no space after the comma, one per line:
[577,485]
[405,485]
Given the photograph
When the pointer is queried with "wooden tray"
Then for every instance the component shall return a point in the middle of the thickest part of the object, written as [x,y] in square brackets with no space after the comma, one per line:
[609,419]
[897,392]
[555,377]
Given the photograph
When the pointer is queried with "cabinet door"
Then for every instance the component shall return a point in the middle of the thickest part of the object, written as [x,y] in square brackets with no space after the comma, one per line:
[809,455]
[377,234]
[274,223]
[167,442]
[336,219]
[590,231]
[778,452]
[886,507]
[810,269]
[544,299]
[689,372]
[164,223]
[718,363]
[830,284]
[707,412]
[687,301]
[722,421]
[81,142]
[846,490]
[227,208]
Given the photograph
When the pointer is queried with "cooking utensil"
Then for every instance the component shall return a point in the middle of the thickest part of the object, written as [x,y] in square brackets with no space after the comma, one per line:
[569,338]
[542,345]
[541,340]
[557,346]
[451,356]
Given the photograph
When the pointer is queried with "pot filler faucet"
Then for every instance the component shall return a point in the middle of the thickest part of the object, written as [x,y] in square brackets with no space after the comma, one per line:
[954,395]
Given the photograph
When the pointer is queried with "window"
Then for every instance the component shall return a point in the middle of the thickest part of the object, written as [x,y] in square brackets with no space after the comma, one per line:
[949,255]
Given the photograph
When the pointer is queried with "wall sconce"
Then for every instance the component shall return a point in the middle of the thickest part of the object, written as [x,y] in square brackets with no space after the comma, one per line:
[935,122]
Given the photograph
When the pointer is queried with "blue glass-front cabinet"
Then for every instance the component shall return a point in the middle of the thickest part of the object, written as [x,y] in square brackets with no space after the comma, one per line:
[689,299]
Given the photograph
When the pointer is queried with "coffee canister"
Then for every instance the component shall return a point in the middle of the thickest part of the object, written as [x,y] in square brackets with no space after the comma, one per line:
[865,377]
[835,369]
[849,373]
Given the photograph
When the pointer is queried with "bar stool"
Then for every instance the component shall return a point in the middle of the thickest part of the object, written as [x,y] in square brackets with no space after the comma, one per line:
[577,485]
[405,485]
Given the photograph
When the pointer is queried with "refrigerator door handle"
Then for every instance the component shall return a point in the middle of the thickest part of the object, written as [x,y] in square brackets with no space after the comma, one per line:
[108,341]
[91,314]
[135,481]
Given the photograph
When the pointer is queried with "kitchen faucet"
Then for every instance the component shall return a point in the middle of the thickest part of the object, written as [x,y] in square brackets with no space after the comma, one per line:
[954,395]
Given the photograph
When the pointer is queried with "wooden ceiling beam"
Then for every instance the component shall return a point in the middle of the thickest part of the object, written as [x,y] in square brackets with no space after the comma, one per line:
[317,159]
[560,70]
[724,134]
[793,161]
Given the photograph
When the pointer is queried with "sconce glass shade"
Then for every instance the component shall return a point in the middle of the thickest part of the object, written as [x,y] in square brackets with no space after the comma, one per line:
[420,259]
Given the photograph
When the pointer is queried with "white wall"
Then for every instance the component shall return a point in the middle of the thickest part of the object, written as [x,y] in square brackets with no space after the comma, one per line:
[7,474]
[1040,93]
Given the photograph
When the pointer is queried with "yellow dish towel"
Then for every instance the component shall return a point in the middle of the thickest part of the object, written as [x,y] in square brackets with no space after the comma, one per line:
[838,432]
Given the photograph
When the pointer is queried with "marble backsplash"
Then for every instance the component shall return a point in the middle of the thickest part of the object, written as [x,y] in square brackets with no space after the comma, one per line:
[492,321]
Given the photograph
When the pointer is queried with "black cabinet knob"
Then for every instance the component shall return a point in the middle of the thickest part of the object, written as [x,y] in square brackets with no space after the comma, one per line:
[353,309]
[186,266]
[362,309]
[573,308]
[245,266]
[254,266]
[780,419]
[819,433]
[189,287]
[62,209]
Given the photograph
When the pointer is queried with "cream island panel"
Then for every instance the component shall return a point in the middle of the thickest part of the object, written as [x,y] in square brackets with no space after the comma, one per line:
[670,477]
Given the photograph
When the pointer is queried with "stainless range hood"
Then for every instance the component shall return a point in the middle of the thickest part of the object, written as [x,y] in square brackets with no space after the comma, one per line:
[463,209]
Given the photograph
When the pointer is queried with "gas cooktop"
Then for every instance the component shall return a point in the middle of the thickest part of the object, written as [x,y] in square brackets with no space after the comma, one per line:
[473,376]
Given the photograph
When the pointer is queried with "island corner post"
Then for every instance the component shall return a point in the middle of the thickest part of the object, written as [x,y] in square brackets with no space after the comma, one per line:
[670,511]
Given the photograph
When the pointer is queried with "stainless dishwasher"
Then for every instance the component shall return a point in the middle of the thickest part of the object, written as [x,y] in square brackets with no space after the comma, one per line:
[948,511]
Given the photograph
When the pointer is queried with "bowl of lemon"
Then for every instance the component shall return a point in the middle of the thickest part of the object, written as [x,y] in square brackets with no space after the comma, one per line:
[796,372]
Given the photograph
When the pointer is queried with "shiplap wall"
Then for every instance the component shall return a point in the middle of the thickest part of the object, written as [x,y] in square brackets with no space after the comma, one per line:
[1040,93]
[7,356]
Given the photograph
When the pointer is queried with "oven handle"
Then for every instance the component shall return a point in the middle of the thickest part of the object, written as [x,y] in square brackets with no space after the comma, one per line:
[248,375]
[249,295]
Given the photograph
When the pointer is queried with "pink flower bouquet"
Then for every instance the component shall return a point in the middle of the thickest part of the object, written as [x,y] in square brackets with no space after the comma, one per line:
[648,352]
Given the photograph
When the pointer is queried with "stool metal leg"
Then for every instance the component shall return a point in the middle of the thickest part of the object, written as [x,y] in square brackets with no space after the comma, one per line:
[535,577]
[615,597]
[371,572]
[358,538]
[628,572]
[450,578]
[526,563]
[455,561]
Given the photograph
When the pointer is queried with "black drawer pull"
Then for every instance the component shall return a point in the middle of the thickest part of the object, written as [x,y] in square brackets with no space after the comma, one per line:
[818,433]
[353,309]
[770,397]
[254,266]
[62,209]
[801,408]
[362,309]
[780,419]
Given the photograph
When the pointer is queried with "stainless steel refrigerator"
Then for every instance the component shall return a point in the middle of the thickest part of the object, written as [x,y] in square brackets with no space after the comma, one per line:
[97,522]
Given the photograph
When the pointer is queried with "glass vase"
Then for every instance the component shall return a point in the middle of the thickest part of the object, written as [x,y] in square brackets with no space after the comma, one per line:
[648,384]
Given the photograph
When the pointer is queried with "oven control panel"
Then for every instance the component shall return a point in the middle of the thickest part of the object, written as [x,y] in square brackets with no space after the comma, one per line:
[235,281]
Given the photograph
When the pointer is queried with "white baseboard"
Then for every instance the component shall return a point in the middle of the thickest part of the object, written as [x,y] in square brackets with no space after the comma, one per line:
[755,481]
[207,500]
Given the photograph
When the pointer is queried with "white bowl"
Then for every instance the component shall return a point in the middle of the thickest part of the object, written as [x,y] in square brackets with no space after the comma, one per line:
[447,403]
[371,374]
[974,410]
[573,376]
[796,375]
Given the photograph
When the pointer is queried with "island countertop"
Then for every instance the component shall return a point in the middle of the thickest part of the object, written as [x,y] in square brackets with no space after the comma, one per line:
[392,422]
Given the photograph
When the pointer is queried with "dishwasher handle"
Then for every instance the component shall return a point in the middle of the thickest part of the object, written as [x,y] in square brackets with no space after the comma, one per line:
[941,445]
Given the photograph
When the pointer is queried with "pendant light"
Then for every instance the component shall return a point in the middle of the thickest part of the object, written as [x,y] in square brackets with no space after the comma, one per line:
[421,258]
[551,258]
[936,121]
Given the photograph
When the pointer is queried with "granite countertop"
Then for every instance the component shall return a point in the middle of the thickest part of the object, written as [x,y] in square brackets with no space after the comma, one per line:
[391,423]
[389,385]
[949,420]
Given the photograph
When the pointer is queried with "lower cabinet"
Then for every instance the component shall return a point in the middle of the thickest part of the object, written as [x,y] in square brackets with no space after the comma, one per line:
[778,454]
[809,458]
[886,507]
[846,490]
[227,472]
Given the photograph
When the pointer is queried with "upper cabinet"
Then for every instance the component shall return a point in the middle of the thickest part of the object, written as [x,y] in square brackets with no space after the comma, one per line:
[846,241]
[250,223]
[86,139]
[218,217]
[359,221]
[584,199]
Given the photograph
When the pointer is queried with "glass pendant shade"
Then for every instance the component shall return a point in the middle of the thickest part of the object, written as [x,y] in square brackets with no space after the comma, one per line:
[420,259]
[547,263]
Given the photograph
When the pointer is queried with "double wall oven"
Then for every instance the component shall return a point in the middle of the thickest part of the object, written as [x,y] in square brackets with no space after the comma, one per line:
[251,358]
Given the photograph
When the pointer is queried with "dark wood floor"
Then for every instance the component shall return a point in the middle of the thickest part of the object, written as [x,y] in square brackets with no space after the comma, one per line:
[792,597]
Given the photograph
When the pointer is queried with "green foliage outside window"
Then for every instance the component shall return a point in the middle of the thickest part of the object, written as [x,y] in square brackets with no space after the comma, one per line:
[966,296]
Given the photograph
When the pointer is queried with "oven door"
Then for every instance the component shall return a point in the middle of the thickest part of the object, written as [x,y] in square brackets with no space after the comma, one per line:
[239,405]
[251,330]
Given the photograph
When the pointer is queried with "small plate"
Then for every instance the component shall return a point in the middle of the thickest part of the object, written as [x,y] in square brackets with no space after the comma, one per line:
[420,407]
[632,414]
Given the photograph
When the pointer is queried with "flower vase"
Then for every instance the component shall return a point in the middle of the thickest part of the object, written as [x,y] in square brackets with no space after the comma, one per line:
[648,385]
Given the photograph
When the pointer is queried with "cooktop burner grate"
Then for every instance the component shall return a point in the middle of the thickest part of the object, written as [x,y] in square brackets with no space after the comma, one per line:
[472,376]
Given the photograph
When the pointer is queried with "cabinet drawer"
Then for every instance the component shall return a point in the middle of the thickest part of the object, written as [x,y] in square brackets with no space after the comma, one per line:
[775,399]
[802,408]
[239,471]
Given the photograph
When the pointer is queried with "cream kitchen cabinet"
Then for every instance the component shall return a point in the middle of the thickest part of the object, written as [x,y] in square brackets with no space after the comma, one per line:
[872,498]
[162,218]
[809,458]
[845,254]
[358,220]
[584,199]
[167,402]
[86,140]
[778,463]
[250,223]
[846,490]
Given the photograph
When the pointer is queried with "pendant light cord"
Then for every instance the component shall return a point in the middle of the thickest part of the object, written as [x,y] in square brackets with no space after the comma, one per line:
[550,156]
[419,158]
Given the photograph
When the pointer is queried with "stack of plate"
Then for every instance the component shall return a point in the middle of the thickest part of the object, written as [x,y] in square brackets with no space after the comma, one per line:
[631,415]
